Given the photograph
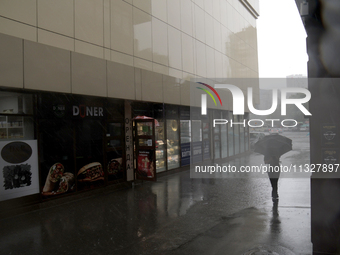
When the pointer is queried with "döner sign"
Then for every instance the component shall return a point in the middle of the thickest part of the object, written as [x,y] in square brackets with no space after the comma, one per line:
[85,111]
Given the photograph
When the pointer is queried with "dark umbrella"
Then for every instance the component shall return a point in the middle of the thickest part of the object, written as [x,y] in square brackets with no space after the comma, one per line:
[273,145]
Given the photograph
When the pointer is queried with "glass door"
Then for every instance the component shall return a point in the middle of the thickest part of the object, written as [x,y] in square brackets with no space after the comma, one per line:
[89,154]
[114,152]
[144,140]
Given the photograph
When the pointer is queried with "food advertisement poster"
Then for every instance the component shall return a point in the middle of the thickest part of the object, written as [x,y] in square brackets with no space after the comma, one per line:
[146,165]
[58,181]
[115,169]
[90,176]
[19,169]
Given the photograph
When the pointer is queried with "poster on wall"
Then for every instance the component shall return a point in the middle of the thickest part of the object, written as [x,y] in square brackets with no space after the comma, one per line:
[90,176]
[146,165]
[58,181]
[19,169]
[115,169]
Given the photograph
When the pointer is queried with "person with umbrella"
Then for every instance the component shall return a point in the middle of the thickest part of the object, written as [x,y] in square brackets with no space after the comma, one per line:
[273,173]
[273,147]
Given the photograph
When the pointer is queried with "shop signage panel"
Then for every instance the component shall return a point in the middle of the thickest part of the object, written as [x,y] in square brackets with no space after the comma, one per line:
[128,142]
[19,174]
[66,106]
[84,111]
[146,164]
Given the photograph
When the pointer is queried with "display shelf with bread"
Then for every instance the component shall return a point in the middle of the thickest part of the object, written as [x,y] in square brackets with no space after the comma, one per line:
[12,127]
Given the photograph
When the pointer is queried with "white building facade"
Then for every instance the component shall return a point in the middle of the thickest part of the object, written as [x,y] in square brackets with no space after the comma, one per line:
[75,73]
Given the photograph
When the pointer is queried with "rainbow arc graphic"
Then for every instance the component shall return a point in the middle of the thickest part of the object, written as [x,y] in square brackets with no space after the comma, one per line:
[204,97]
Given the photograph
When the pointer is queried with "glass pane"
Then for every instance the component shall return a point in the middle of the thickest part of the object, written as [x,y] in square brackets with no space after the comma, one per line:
[16,103]
[115,167]
[231,140]
[57,156]
[185,131]
[217,142]
[3,127]
[160,147]
[242,129]
[236,136]
[144,128]
[114,143]
[114,129]
[145,142]
[224,141]
[16,127]
[246,136]
[89,152]
[172,143]
[196,131]
[206,140]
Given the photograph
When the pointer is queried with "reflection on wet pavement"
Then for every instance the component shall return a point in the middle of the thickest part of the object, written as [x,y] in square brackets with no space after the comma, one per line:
[175,215]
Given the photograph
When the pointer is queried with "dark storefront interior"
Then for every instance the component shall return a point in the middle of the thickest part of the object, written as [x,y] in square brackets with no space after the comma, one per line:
[81,139]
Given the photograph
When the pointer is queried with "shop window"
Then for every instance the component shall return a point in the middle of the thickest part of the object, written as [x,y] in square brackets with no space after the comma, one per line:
[144,129]
[173,143]
[56,160]
[15,123]
[196,131]
[197,141]
[206,139]
[185,131]
[16,128]
[114,148]
[160,146]
[185,126]
[89,154]
[16,103]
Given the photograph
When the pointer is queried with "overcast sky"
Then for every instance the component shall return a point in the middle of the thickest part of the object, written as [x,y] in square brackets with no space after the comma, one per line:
[281,40]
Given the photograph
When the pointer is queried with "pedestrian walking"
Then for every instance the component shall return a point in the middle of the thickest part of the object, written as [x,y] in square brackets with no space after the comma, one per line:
[273,147]
[273,173]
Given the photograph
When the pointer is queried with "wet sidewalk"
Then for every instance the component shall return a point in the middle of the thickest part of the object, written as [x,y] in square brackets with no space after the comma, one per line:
[175,215]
